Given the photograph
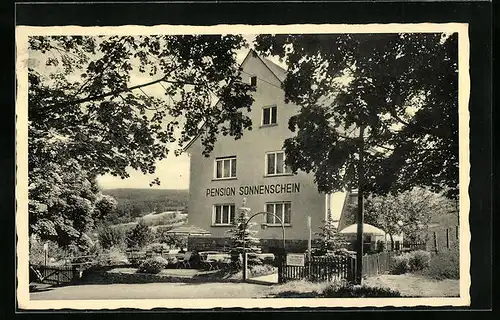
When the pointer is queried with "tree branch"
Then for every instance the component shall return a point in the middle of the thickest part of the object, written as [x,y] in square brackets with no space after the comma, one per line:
[116,92]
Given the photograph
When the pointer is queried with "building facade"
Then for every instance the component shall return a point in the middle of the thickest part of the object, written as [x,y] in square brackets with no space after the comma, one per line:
[252,168]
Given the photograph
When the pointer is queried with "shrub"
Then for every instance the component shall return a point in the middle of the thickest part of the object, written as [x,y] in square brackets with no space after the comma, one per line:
[344,290]
[380,246]
[139,235]
[171,260]
[153,265]
[262,270]
[37,255]
[401,264]
[444,265]
[157,247]
[111,237]
[173,241]
[109,258]
[419,260]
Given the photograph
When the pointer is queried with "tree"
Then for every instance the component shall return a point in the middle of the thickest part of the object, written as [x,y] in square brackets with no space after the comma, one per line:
[242,238]
[84,111]
[330,238]
[65,203]
[409,212]
[111,237]
[379,112]
[394,94]
[82,105]
[139,236]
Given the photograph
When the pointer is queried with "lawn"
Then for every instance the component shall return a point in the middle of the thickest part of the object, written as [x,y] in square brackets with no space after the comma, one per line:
[412,285]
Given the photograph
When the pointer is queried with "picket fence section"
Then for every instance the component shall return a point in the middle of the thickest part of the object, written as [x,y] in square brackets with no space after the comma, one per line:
[325,268]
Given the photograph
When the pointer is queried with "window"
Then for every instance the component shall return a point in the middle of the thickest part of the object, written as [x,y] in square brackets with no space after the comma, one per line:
[223,214]
[225,168]
[275,164]
[269,115]
[253,81]
[282,209]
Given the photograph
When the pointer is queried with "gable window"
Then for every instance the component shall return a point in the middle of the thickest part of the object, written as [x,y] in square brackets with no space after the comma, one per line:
[223,214]
[281,209]
[269,115]
[275,164]
[253,81]
[225,168]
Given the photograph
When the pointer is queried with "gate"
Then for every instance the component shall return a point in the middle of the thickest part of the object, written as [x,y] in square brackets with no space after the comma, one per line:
[54,274]
[325,268]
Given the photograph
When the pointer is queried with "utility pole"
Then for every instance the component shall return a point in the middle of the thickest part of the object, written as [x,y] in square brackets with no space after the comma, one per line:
[360,217]
[309,243]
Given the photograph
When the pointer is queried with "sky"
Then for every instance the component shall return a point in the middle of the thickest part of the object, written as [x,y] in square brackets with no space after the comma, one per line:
[173,171]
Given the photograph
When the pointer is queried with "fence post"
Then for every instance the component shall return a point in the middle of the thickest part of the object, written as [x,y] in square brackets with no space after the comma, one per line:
[435,242]
[447,238]
[280,266]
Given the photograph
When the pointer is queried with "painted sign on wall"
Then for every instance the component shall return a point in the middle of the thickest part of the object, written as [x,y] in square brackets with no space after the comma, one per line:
[254,190]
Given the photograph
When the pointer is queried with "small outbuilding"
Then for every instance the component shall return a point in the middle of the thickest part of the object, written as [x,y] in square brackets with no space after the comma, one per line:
[371,236]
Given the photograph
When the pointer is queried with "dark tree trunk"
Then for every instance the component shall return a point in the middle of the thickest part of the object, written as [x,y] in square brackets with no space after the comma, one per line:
[359,218]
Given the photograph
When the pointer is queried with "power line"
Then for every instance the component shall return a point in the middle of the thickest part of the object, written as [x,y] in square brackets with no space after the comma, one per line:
[262,80]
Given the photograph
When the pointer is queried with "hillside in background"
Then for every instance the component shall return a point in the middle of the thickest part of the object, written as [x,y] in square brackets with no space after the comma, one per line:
[159,221]
[134,203]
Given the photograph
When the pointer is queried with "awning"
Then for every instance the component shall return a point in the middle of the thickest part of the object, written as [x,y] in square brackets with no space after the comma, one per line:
[189,231]
[367,229]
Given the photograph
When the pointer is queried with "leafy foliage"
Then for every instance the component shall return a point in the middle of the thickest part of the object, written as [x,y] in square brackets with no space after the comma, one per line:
[111,237]
[330,238]
[64,203]
[444,265]
[173,241]
[139,236]
[358,291]
[88,116]
[153,265]
[411,262]
[37,254]
[399,92]
[401,264]
[82,105]
[419,260]
[409,212]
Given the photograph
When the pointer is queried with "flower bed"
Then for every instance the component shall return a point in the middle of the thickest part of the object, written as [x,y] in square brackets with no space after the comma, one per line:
[131,275]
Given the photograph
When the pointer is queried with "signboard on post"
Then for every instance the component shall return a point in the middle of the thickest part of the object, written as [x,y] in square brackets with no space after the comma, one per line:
[295,260]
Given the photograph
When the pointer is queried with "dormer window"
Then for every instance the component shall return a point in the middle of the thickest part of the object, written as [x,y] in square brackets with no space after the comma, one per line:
[253,81]
[269,115]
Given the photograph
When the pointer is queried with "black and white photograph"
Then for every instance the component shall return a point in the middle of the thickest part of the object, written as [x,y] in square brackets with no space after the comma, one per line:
[243,166]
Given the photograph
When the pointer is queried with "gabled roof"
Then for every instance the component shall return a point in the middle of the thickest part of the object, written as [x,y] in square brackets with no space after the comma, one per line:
[348,214]
[276,70]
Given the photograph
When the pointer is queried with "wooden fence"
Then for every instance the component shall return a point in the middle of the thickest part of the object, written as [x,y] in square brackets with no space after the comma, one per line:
[54,274]
[375,264]
[328,268]
[325,268]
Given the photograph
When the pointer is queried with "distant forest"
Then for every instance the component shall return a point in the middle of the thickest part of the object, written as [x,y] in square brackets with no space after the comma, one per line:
[133,203]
